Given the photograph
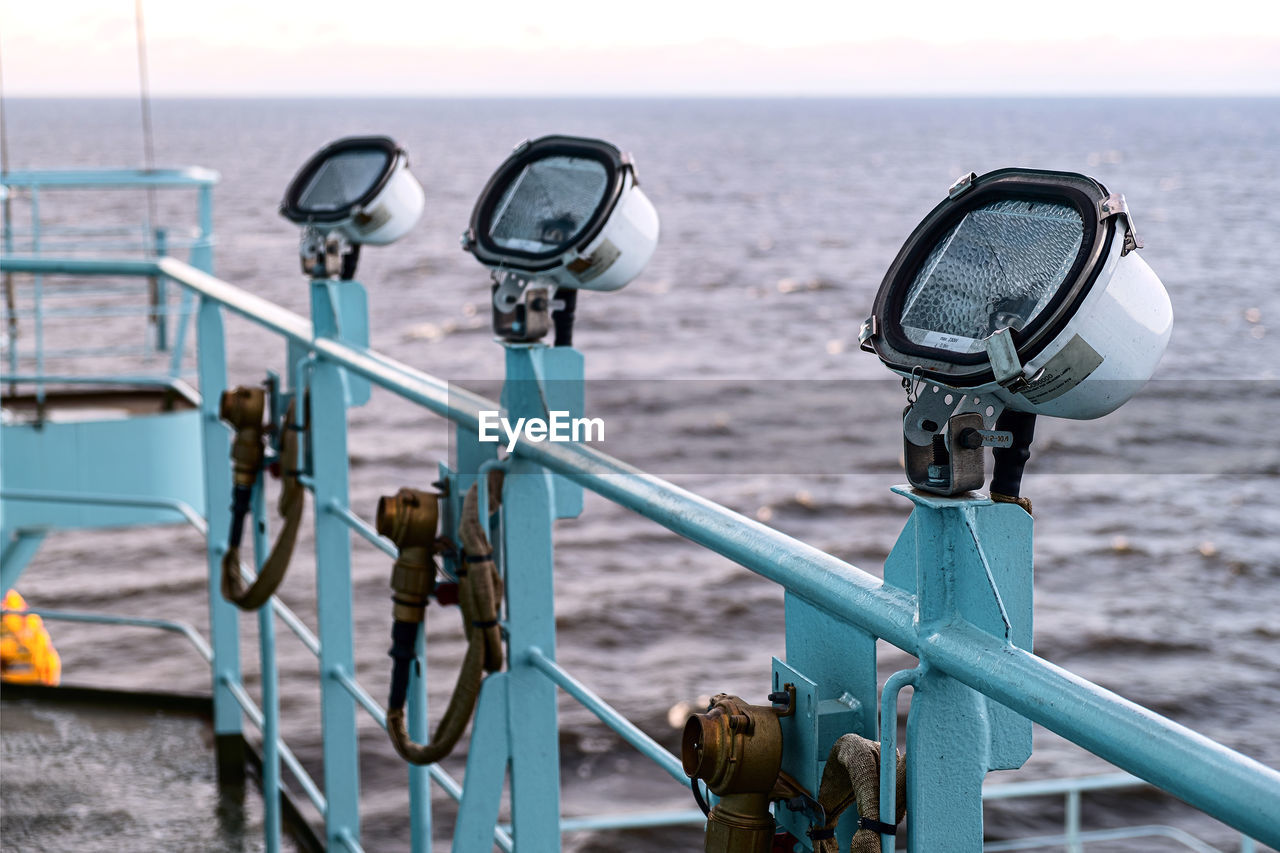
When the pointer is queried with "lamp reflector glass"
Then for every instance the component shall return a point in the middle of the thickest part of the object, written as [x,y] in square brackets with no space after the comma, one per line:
[343,180]
[549,204]
[997,268]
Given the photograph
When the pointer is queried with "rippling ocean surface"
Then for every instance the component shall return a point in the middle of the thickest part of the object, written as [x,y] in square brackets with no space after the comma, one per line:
[1157,555]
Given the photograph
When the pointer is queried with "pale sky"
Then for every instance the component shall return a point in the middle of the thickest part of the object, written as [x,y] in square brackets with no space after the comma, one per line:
[651,47]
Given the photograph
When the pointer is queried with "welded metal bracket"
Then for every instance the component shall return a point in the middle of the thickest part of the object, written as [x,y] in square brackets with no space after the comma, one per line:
[340,310]
[541,380]
[967,560]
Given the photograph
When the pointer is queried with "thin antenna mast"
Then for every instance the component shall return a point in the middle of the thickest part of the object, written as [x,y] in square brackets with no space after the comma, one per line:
[148,162]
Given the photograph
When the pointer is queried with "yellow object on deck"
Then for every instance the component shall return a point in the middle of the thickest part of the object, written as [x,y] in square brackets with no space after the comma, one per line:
[27,655]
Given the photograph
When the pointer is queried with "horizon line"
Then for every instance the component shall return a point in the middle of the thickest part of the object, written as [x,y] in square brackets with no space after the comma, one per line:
[691,96]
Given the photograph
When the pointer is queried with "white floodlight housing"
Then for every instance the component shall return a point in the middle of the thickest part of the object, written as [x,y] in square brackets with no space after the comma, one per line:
[565,211]
[358,187]
[1022,290]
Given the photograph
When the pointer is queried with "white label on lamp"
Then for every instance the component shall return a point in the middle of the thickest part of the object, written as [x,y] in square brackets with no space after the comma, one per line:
[1071,366]
[950,343]
[587,267]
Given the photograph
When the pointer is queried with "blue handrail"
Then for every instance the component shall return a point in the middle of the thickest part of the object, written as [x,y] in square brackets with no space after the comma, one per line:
[1209,776]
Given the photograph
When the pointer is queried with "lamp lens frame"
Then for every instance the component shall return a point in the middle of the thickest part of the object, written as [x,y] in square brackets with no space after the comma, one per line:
[491,254]
[1084,194]
[291,209]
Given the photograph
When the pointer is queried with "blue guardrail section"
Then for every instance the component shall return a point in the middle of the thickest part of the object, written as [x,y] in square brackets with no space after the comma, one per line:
[956,595]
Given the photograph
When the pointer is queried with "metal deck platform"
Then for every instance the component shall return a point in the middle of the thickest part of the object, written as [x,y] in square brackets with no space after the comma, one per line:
[58,744]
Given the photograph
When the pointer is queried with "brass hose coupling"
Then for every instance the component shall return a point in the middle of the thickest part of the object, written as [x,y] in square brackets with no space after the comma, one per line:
[409,519]
[736,749]
[243,408]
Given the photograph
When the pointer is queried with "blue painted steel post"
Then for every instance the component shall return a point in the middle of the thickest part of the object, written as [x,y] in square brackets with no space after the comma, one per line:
[161,315]
[38,301]
[528,513]
[12,329]
[224,634]
[270,691]
[955,735]
[419,775]
[200,257]
[328,441]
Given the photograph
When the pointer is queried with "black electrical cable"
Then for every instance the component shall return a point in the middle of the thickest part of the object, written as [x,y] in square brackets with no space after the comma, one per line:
[404,639]
[563,318]
[241,496]
[1006,476]
[698,798]
[349,261]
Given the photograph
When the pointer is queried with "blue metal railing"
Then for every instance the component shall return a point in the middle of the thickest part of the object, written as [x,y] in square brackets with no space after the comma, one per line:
[1241,792]
[147,238]
[936,615]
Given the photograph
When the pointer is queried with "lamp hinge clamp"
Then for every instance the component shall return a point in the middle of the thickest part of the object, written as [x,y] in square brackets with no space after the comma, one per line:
[962,185]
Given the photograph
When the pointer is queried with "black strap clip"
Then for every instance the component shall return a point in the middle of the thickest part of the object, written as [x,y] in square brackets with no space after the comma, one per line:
[877,826]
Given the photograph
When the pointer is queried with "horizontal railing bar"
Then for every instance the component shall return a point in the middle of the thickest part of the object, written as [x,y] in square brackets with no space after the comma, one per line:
[182,507]
[349,841]
[190,176]
[287,616]
[95,379]
[609,715]
[70,243]
[291,620]
[364,528]
[1152,831]
[294,623]
[80,266]
[1058,787]
[1167,754]
[175,626]
[171,233]
[848,593]
[639,820]
[361,696]
[105,311]
[98,352]
[77,290]
[300,773]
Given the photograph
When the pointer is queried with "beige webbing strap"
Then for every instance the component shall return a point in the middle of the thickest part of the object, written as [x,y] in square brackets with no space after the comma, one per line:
[852,776]
[292,500]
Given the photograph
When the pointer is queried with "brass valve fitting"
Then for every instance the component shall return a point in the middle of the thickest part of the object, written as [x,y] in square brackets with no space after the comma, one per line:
[736,749]
[409,519]
[243,408]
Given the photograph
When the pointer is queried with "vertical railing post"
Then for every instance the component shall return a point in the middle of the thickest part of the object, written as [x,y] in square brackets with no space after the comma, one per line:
[270,687]
[955,735]
[419,777]
[11,306]
[161,295]
[1073,822]
[528,513]
[223,627]
[200,257]
[37,282]
[327,446]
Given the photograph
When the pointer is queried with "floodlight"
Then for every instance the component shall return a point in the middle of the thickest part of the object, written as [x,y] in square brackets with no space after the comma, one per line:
[358,190]
[1022,290]
[563,212]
